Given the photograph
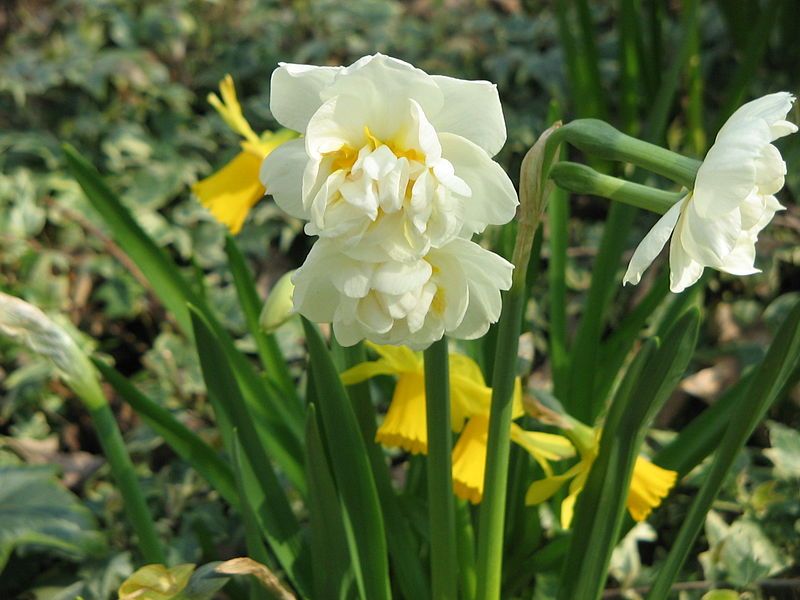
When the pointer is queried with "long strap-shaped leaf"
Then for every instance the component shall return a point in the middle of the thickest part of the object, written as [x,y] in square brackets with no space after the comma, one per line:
[279,426]
[780,362]
[271,358]
[162,273]
[600,508]
[328,538]
[265,495]
[403,551]
[351,470]
[186,444]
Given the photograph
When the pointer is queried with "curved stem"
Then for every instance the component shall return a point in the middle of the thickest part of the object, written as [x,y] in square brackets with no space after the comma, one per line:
[581,179]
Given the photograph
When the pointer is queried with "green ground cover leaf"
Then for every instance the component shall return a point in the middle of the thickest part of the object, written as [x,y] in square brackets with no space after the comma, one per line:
[37,511]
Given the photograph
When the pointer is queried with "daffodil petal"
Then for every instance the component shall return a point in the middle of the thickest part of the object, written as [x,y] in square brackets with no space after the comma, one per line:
[473,111]
[231,192]
[650,484]
[469,459]
[405,424]
[652,244]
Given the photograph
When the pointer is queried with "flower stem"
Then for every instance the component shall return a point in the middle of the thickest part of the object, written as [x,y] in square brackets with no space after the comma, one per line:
[534,192]
[581,179]
[444,568]
[125,477]
[602,140]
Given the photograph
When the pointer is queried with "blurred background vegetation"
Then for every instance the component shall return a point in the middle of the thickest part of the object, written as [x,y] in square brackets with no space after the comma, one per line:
[126,83]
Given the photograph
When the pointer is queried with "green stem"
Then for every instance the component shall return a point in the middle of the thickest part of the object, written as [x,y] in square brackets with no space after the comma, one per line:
[444,568]
[466,551]
[581,179]
[127,482]
[492,512]
[602,140]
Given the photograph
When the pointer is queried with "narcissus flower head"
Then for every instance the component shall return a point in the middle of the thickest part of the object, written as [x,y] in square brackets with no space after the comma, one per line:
[650,484]
[717,224]
[231,192]
[405,424]
[394,174]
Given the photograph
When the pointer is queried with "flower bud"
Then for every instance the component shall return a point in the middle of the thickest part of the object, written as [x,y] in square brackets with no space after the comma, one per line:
[28,325]
[279,305]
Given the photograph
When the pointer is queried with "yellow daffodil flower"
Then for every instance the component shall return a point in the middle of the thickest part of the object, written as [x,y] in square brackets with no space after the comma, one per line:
[405,424]
[231,192]
[156,582]
[650,484]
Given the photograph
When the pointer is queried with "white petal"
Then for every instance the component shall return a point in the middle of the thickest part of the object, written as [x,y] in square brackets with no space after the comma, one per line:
[652,244]
[282,175]
[295,92]
[683,269]
[396,278]
[385,85]
[728,172]
[337,123]
[487,274]
[472,110]
[742,259]
[770,170]
[771,108]
[494,199]
[710,240]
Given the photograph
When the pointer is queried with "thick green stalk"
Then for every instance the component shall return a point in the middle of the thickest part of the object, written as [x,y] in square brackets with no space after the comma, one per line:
[534,191]
[581,179]
[126,480]
[491,523]
[441,502]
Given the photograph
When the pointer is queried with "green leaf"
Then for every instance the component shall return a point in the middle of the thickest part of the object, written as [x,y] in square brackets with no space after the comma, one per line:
[328,537]
[265,494]
[403,549]
[188,445]
[166,280]
[279,423]
[36,511]
[271,358]
[768,381]
[785,451]
[600,508]
[352,473]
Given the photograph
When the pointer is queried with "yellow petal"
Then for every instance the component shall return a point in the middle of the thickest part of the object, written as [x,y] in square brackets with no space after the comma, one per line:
[542,446]
[541,490]
[469,459]
[405,424]
[231,111]
[363,371]
[568,508]
[467,398]
[401,358]
[650,484]
[156,582]
[231,192]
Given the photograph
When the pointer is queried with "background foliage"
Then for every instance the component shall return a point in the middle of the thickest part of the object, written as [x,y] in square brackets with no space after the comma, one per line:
[125,82]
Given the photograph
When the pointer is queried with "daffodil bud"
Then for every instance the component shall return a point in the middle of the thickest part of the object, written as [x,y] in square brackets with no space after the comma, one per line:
[28,325]
[279,305]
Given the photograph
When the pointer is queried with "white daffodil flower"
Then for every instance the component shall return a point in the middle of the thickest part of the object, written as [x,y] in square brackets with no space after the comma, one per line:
[393,161]
[717,224]
[394,174]
[454,290]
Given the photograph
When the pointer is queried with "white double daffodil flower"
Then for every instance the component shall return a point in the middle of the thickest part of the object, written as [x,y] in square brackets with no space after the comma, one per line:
[716,225]
[394,174]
